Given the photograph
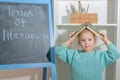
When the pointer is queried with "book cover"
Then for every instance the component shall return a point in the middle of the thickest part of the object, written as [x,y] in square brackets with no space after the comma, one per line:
[88,26]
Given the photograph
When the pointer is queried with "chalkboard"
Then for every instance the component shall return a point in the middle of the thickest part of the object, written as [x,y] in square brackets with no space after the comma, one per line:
[24,33]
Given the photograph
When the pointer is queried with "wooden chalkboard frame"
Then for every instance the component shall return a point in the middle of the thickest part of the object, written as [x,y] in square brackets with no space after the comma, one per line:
[37,65]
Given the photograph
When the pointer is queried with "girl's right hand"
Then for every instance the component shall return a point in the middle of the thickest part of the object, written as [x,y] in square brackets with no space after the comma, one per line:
[71,36]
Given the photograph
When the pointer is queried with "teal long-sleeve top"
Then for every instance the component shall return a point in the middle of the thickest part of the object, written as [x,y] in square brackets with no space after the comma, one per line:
[87,66]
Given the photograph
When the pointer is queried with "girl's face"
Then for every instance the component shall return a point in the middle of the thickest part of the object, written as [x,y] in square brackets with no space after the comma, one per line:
[87,41]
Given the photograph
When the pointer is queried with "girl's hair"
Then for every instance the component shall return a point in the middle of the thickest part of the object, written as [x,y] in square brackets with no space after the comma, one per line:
[85,30]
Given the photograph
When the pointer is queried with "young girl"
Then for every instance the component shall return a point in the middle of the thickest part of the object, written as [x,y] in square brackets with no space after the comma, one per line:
[87,64]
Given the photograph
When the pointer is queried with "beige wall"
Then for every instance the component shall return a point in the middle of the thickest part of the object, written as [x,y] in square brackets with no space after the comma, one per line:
[23,74]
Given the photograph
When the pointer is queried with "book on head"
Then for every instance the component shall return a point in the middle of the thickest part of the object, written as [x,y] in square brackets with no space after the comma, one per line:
[89,26]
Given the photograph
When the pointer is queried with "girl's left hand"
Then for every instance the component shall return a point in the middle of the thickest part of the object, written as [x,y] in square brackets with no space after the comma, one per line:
[104,38]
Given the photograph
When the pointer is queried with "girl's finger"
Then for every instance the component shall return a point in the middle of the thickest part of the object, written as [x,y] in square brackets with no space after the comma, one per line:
[72,34]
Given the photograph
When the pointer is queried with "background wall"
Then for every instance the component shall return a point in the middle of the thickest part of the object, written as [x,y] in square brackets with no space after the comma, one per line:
[24,74]
[109,15]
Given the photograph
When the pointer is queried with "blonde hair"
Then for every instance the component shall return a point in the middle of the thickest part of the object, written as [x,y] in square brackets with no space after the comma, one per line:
[84,31]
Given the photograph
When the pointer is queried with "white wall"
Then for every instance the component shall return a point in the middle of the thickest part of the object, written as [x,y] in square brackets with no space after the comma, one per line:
[99,7]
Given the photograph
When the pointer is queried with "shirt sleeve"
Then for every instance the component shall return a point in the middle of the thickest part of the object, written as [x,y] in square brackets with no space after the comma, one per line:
[111,55]
[64,53]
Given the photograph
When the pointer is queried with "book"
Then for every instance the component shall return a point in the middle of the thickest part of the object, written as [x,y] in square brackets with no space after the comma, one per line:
[88,26]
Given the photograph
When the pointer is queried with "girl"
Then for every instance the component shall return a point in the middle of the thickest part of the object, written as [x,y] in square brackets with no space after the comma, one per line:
[87,64]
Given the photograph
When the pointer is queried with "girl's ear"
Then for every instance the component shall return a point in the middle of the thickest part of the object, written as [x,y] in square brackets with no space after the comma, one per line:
[78,39]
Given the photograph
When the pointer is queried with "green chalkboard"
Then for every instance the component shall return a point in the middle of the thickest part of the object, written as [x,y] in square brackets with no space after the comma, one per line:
[24,33]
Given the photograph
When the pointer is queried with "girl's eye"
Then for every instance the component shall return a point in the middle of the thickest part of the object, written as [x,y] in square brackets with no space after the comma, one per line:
[82,40]
[90,39]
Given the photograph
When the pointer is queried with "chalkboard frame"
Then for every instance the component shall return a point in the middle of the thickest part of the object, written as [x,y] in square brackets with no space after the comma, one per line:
[50,64]
[36,65]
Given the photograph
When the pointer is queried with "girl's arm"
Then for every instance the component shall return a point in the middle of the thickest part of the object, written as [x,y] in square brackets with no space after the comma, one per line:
[104,38]
[69,40]
[63,52]
[112,54]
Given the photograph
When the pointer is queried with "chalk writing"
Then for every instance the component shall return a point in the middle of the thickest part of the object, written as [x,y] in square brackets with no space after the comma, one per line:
[20,14]
[26,12]
[10,35]
[20,22]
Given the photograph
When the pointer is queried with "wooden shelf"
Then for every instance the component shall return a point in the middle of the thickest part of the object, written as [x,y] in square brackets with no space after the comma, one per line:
[71,25]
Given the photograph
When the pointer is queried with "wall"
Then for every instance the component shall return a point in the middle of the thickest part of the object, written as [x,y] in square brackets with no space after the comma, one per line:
[23,74]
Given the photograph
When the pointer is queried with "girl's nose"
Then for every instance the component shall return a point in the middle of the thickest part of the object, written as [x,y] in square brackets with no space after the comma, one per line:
[86,42]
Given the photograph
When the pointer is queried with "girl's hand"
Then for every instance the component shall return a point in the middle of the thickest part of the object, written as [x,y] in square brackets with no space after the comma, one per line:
[104,38]
[71,38]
